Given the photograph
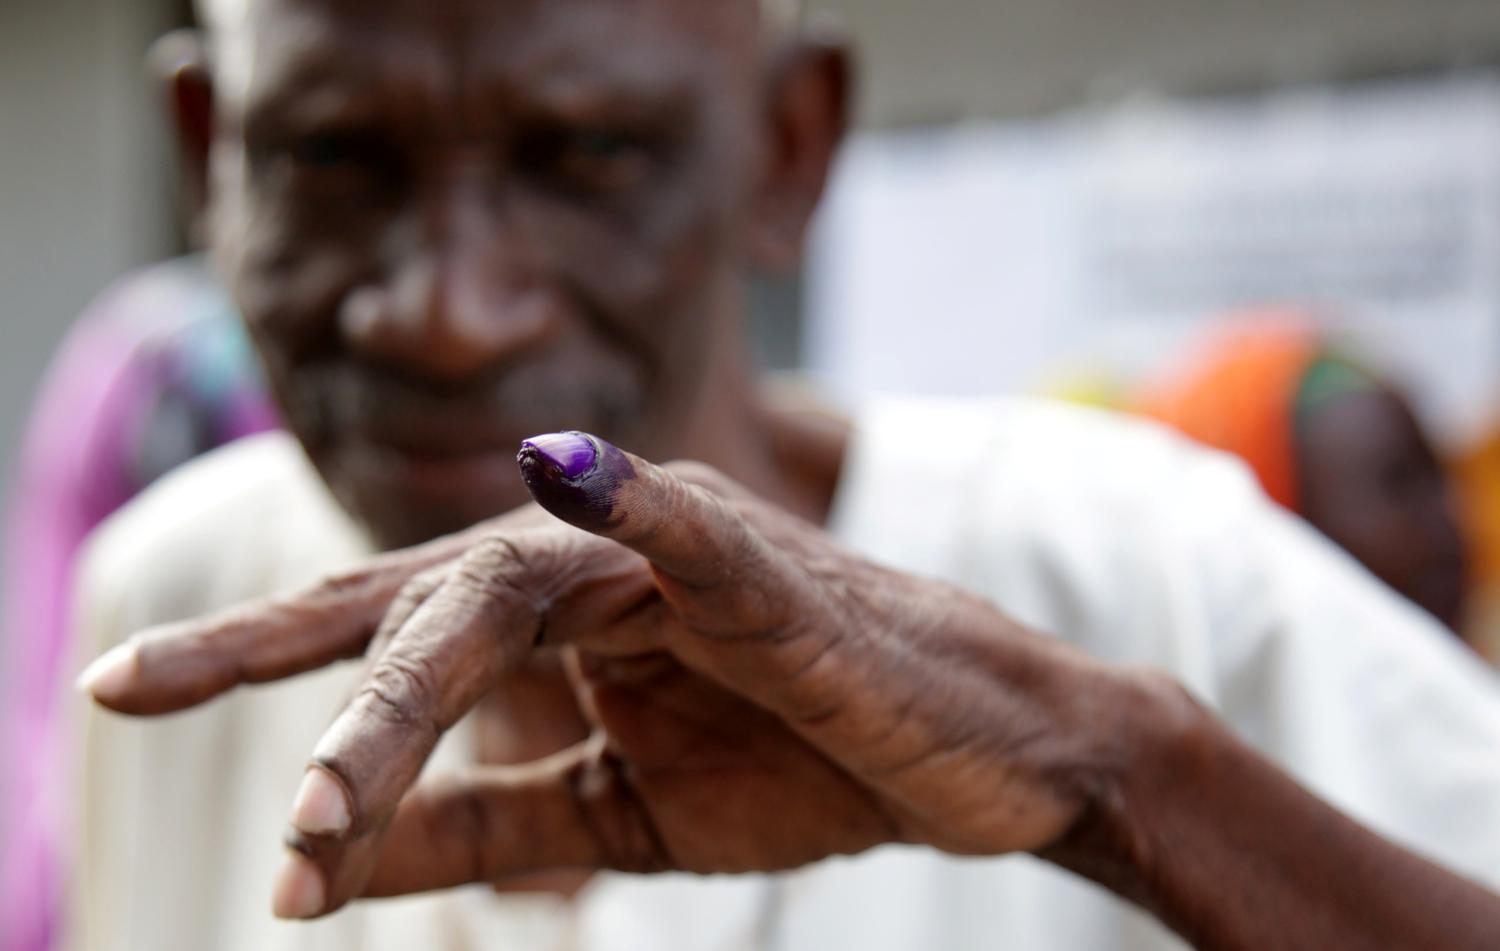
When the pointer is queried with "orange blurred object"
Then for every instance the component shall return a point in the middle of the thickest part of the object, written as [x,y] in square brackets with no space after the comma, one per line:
[1241,395]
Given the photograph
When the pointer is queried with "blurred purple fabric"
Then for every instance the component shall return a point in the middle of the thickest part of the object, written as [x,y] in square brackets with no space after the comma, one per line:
[158,370]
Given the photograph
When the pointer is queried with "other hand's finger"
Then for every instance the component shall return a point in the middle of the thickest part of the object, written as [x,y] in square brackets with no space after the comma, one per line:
[185,663]
[479,624]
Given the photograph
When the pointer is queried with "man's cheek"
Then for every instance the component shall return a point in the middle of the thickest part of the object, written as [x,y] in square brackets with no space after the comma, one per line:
[648,287]
[292,301]
[292,319]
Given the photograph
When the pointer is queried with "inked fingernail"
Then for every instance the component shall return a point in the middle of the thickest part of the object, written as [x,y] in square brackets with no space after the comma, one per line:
[572,455]
[321,807]
[110,673]
[299,889]
[575,476]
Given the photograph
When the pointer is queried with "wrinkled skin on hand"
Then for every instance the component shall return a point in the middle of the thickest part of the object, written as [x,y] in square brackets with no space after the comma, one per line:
[758,697]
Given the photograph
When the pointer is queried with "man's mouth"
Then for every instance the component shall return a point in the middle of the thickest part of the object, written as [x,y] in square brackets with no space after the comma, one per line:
[429,467]
[440,437]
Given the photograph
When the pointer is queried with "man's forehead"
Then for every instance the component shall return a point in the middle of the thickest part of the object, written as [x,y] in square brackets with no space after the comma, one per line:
[250,38]
[230,16]
[776,13]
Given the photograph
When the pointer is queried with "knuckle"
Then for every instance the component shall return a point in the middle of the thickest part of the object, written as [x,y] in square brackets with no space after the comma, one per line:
[343,583]
[497,568]
[429,580]
[400,691]
[491,553]
[460,818]
[617,821]
[414,592]
[406,604]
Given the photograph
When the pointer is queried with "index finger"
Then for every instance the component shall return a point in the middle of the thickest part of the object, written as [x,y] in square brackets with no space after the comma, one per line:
[182,664]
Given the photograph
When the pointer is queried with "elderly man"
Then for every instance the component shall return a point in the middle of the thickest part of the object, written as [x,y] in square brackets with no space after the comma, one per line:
[457,223]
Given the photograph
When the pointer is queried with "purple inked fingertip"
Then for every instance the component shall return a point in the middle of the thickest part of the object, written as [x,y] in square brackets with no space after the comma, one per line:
[570,455]
[576,477]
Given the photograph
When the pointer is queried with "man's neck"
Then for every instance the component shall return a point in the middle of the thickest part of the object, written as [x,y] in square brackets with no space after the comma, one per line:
[782,445]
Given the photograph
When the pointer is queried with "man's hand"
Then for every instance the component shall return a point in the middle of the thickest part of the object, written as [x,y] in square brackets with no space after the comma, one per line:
[760,697]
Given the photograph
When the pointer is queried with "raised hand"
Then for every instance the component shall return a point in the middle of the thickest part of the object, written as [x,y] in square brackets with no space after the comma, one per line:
[760,697]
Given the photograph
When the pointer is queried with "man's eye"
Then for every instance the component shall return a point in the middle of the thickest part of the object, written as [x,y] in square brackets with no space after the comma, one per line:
[333,151]
[603,145]
[596,160]
[322,151]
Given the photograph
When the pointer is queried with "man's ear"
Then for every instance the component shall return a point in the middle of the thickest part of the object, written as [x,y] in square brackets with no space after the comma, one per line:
[807,113]
[179,64]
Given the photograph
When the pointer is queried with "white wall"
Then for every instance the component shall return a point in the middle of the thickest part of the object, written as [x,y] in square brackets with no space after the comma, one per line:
[82,174]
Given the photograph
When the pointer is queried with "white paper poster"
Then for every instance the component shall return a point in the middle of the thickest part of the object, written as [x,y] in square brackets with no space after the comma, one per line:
[993,259]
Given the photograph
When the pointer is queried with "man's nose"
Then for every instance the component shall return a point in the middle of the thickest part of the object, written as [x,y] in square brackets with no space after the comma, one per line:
[457,308]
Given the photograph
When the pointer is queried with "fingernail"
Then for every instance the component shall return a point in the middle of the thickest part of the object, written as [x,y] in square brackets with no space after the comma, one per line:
[576,477]
[321,808]
[571,454]
[299,889]
[111,672]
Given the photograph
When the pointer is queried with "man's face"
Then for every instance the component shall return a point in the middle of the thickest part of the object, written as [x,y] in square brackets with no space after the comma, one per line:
[453,224]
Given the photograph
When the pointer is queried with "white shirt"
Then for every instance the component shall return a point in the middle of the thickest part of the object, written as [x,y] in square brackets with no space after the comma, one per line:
[1108,532]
